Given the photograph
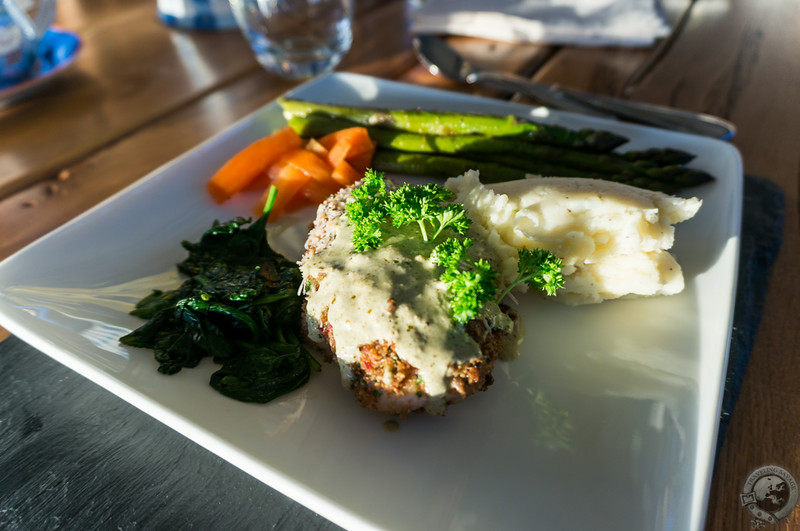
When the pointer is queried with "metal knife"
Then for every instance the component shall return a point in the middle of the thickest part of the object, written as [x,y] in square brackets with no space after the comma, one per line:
[439,58]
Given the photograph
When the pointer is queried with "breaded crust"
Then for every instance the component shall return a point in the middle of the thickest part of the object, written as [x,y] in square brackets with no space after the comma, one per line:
[382,379]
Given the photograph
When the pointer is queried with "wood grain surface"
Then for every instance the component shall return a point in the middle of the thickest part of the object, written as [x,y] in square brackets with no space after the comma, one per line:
[141,94]
[101,464]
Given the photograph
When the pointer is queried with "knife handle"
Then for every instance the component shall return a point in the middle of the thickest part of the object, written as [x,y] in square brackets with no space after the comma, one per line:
[541,93]
[657,115]
[586,103]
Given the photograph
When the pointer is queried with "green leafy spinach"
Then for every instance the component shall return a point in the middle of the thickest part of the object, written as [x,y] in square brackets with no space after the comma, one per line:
[240,306]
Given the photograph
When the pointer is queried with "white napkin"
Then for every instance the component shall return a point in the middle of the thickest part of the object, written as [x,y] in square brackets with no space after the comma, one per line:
[581,22]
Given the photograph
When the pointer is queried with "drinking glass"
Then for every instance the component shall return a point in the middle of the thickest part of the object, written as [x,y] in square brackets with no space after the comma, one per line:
[297,39]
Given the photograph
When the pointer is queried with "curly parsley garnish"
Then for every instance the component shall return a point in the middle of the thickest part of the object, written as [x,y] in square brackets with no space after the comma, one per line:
[425,205]
[539,269]
[367,211]
[470,283]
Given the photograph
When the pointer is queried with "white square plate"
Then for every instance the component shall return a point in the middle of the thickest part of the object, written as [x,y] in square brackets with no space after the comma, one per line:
[608,420]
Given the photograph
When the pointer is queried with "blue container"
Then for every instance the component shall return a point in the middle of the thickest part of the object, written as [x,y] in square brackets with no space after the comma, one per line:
[22,25]
[196,14]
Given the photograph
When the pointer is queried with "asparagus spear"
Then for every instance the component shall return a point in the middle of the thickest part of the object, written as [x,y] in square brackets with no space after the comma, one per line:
[449,123]
[603,167]
[659,157]
[441,166]
[517,152]
[444,166]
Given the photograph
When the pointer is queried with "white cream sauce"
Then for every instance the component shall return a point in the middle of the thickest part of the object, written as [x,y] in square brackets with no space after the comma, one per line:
[391,293]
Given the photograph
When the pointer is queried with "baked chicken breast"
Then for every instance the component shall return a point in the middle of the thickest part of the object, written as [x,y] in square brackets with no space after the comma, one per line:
[382,316]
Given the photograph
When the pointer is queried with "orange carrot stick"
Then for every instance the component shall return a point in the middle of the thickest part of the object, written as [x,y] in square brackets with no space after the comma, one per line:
[362,161]
[235,175]
[289,180]
[346,143]
[345,175]
[310,163]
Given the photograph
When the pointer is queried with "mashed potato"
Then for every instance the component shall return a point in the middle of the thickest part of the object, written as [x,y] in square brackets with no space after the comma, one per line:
[613,238]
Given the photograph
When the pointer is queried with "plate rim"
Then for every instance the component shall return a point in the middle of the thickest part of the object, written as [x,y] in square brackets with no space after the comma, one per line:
[332,511]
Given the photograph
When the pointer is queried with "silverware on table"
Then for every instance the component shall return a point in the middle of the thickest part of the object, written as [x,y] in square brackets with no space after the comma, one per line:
[439,58]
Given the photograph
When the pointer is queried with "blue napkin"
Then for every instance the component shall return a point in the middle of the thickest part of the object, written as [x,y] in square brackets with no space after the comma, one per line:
[762,224]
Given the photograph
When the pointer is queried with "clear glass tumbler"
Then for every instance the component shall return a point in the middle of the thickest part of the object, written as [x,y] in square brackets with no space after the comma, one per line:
[297,39]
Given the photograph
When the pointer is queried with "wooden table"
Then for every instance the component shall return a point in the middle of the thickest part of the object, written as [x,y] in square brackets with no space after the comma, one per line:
[141,94]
